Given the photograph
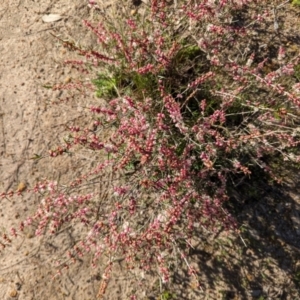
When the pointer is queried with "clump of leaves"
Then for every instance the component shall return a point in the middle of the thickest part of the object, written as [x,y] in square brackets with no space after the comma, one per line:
[106,86]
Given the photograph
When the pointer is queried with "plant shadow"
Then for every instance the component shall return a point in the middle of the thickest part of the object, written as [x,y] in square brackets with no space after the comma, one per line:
[260,262]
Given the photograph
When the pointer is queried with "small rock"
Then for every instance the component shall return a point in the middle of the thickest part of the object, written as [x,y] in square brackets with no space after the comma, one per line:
[18,286]
[255,293]
[67,80]
[13,293]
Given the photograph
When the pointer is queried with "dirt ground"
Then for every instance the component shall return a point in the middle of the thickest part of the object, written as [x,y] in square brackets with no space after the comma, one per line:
[262,262]
[29,59]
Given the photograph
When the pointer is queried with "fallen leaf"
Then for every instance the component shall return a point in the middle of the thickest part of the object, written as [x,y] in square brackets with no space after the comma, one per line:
[21,187]
[51,18]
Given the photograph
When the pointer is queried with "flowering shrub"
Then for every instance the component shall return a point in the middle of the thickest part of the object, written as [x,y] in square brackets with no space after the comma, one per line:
[190,107]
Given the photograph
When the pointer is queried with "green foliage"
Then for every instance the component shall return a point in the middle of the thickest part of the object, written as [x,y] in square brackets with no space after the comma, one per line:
[296,278]
[187,54]
[166,295]
[106,86]
[296,2]
[131,83]
[297,67]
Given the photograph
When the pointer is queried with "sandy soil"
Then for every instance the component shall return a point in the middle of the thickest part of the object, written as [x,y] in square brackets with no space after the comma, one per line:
[30,57]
